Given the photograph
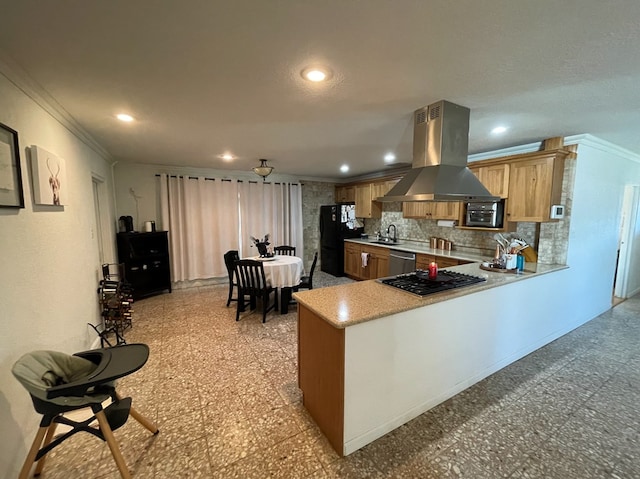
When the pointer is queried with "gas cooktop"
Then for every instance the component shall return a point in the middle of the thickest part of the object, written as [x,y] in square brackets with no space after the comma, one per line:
[418,282]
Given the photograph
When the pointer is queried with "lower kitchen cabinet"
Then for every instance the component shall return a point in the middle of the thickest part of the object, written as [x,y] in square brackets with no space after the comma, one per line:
[423,260]
[352,259]
[146,262]
[377,261]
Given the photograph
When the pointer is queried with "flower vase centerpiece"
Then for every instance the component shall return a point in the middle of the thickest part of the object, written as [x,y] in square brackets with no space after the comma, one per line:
[262,246]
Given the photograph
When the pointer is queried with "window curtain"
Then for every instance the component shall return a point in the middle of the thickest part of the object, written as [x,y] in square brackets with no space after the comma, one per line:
[206,218]
[273,208]
[202,219]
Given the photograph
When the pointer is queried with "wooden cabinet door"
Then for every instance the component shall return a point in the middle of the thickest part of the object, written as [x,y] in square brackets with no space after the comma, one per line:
[444,262]
[349,194]
[446,210]
[377,264]
[495,178]
[365,207]
[352,259]
[417,209]
[378,189]
[381,188]
[531,187]
[438,210]
[345,194]
[423,260]
[382,267]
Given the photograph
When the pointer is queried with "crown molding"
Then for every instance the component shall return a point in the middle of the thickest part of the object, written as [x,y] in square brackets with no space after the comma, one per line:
[21,80]
[510,151]
[602,145]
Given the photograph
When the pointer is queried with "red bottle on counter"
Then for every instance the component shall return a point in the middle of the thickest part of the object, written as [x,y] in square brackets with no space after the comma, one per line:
[433,270]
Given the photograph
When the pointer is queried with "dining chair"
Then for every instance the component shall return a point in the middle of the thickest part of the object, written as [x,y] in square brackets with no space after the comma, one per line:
[59,383]
[285,250]
[306,282]
[252,283]
[230,258]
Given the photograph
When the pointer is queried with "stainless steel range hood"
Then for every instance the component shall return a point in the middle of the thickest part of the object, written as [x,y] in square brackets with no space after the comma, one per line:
[440,148]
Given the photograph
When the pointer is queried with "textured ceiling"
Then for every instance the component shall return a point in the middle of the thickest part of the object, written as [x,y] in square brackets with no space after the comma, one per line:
[205,77]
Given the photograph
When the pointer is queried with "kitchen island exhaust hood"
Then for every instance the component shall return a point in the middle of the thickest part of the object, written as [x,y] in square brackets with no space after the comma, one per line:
[440,148]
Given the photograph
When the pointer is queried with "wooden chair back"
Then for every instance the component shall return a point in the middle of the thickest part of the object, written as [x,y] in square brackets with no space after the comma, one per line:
[285,250]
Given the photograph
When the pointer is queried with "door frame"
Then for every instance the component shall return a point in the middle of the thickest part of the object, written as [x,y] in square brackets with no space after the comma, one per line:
[628,221]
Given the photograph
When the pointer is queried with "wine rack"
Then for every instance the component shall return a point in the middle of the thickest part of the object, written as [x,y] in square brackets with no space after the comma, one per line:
[116,303]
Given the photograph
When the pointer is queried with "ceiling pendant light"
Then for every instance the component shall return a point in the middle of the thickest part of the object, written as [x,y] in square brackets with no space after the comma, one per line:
[263,170]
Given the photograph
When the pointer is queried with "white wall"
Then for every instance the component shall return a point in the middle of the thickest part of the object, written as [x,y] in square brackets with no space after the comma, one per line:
[602,171]
[49,259]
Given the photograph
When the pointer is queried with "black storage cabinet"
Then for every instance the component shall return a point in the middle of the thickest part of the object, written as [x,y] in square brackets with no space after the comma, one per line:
[146,261]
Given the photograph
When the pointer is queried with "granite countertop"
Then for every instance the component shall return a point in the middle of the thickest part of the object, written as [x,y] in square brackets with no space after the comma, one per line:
[349,304]
[417,247]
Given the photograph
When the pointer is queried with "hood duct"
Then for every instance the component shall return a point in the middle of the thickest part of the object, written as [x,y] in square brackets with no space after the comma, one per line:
[440,148]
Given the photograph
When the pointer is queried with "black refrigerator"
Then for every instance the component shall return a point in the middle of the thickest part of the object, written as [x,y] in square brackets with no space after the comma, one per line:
[337,222]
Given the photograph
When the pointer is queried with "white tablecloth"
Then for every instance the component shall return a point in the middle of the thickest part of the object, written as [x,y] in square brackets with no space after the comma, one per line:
[285,271]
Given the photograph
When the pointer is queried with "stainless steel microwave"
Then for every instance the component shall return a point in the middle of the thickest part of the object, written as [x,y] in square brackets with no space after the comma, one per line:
[485,214]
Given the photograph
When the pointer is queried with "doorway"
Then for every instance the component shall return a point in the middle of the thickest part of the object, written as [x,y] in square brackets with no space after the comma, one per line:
[98,226]
[623,285]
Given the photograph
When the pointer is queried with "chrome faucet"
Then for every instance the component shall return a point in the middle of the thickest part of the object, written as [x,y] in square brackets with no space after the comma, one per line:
[393,238]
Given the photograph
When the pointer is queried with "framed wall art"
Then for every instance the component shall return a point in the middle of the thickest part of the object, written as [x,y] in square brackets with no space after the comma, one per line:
[11,195]
[49,178]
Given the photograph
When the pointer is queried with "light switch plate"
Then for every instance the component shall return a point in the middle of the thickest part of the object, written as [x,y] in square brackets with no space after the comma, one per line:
[557,212]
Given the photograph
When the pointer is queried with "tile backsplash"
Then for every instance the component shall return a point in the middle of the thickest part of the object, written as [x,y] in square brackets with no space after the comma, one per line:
[479,242]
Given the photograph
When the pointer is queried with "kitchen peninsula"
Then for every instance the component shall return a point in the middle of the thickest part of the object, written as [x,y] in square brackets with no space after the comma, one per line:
[371,357]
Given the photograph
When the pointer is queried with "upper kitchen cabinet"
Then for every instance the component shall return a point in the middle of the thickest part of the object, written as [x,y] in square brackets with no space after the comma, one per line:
[495,178]
[345,194]
[365,206]
[381,188]
[432,210]
[535,184]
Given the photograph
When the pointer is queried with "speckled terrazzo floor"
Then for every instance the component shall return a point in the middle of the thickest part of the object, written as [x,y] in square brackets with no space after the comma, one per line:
[225,398]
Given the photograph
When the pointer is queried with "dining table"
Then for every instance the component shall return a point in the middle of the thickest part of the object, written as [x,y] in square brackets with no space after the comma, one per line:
[283,272]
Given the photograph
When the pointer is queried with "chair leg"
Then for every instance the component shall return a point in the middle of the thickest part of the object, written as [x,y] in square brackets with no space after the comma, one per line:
[144,421]
[141,419]
[35,447]
[265,306]
[47,440]
[239,306]
[113,444]
[230,293]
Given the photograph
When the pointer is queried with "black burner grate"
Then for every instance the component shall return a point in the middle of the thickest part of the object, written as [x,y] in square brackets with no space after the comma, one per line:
[417,282]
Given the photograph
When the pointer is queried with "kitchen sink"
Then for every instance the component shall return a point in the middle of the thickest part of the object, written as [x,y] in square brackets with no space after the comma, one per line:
[385,242]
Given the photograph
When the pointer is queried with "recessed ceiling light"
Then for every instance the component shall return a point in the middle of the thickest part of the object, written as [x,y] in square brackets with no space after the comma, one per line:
[389,157]
[124,117]
[316,74]
[344,168]
[499,130]
[227,157]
